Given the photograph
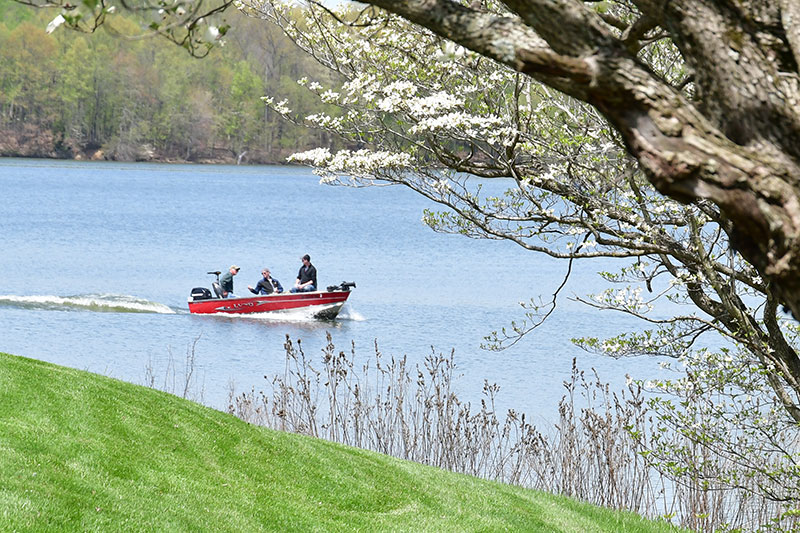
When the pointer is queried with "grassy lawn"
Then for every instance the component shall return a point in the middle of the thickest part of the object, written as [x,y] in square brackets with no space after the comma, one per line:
[81,452]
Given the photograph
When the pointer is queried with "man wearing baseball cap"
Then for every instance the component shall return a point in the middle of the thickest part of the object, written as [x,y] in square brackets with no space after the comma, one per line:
[226,282]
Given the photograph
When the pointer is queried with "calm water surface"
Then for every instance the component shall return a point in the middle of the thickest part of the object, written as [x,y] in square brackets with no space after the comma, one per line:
[84,244]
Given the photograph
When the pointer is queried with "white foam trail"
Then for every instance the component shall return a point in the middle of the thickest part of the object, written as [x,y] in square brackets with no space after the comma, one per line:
[303,314]
[348,313]
[278,316]
[119,303]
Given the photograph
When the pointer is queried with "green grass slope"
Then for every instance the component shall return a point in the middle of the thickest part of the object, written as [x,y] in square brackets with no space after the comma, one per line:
[81,452]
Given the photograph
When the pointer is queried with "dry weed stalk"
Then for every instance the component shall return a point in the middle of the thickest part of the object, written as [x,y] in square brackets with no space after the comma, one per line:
[180,382]
[413,413]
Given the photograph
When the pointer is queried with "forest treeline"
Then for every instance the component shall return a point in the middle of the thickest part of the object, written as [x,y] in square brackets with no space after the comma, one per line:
[109,96]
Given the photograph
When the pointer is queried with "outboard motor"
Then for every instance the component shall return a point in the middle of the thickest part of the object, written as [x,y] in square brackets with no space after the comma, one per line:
[345,286]
[201,293]
[217,289]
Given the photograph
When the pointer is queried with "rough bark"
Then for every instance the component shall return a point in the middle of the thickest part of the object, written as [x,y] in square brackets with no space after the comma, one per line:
[735,142]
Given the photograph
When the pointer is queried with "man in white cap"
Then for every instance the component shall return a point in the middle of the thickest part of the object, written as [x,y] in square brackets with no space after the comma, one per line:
[226,282]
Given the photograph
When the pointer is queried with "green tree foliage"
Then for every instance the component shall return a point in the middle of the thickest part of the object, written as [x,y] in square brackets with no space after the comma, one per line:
[244,112]
[27,64]
[67,93]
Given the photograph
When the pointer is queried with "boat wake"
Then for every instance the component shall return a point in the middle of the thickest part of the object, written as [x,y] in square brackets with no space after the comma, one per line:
[303,314]
[99,303]
[347,313]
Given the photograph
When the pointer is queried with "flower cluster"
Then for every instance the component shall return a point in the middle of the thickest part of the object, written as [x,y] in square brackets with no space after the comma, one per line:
[358,164]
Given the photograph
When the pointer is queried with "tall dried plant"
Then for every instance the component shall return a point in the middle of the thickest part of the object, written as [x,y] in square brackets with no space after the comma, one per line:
[412,412]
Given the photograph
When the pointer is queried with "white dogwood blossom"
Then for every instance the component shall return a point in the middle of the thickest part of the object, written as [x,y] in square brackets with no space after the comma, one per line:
[433,104]
[358,164]
[55,23]
[278,107]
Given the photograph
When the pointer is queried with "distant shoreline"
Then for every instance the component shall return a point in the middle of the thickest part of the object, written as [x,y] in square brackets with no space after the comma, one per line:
[83,156]
[166,160]
[42,144]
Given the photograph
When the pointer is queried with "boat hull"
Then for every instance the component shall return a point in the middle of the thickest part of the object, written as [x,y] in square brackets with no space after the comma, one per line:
[321,304]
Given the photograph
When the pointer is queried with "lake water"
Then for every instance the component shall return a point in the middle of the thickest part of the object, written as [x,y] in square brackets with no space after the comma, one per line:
[85,243]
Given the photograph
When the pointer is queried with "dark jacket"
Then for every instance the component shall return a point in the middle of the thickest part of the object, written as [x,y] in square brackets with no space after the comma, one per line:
[226,282]
[265,287]
[308,273]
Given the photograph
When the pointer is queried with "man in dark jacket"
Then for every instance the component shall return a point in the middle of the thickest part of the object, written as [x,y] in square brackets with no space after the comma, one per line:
[267,284]
[307,277]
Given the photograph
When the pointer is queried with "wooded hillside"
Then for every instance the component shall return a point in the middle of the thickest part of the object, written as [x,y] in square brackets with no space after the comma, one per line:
[108,96]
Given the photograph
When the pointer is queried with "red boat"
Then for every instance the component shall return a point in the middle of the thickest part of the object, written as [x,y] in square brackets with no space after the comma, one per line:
[321,304]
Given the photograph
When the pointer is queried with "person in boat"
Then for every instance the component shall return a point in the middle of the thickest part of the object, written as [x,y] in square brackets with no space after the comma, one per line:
[226,282]
[267,284]
[307,277]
